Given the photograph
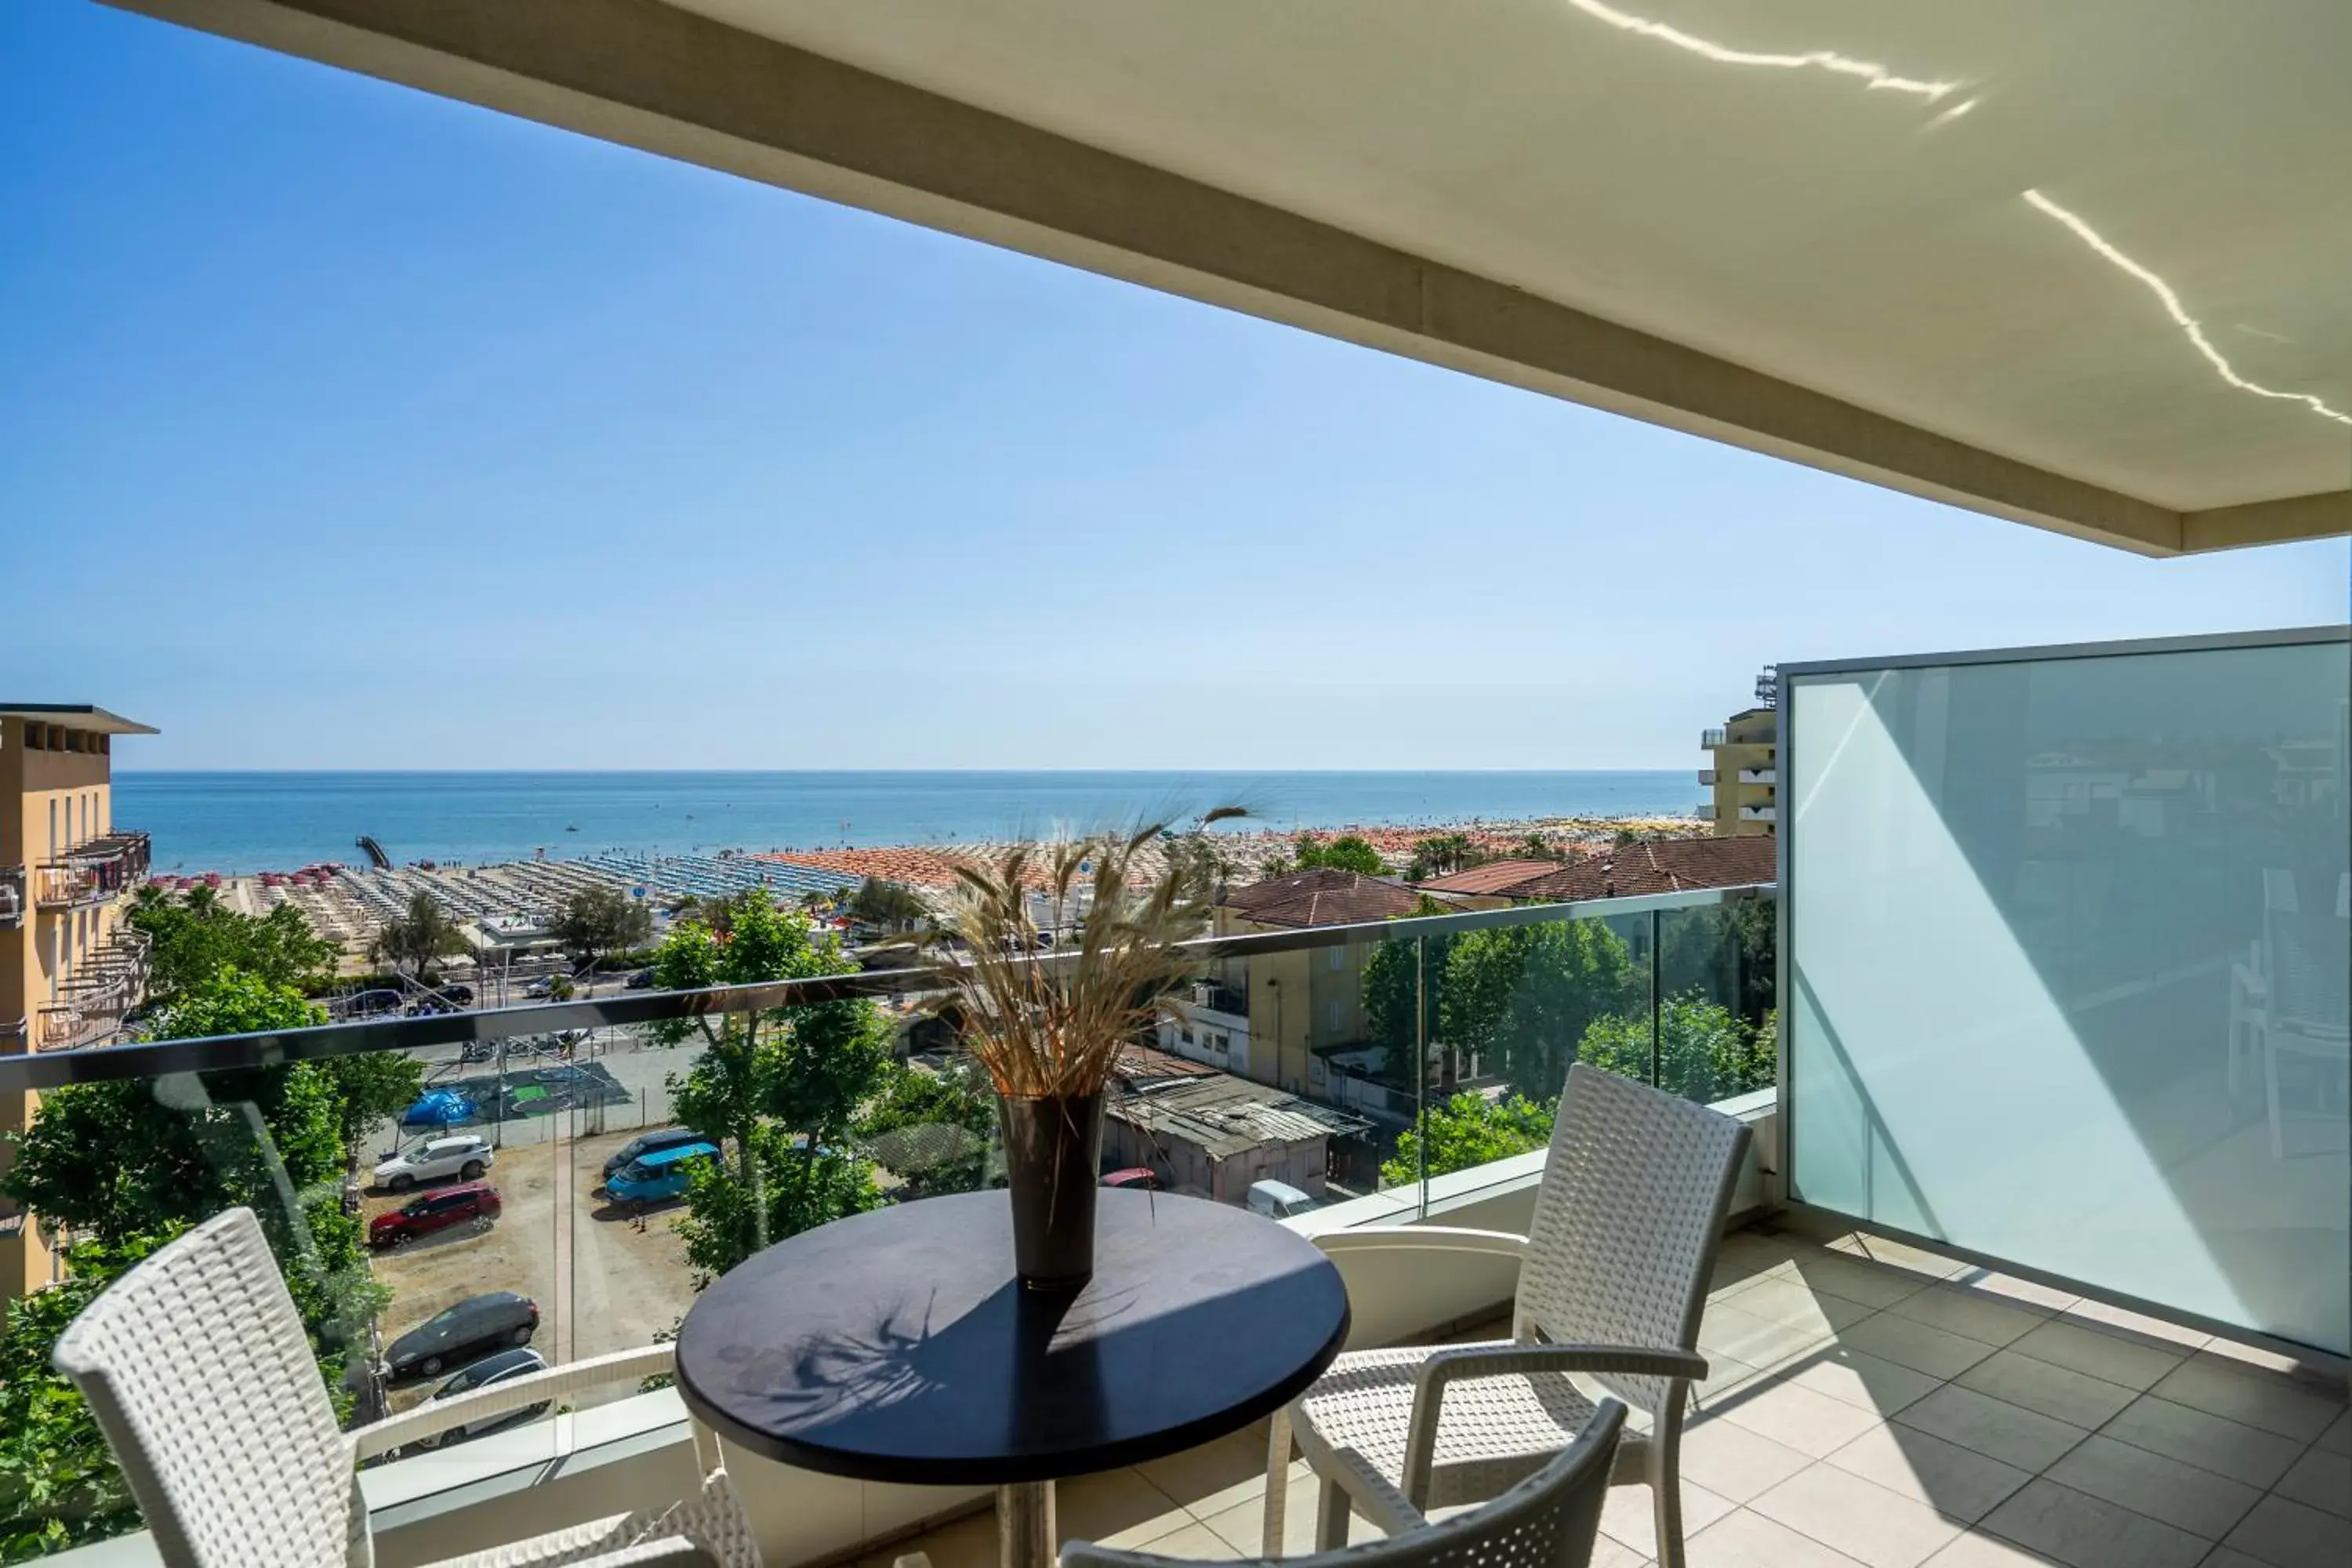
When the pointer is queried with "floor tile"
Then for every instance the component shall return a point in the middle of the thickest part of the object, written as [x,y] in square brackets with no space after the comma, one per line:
[1213,1477]
[2337,1439]
[1975,1314]
[1813,1424]
[1957,1482]
[2074,1398]
[2230,1557]
[1734,1462]
[1789,1301]
[2111,1353]
[2138,1325]
[1898,1254]
[1723,1373]
[2163,1489]
[1094,1507]
[2323,1479]
[966,1543]
[1759,1341]
[1872,1284]
[2209,1383]
[1973,1550]
[1858,1378]
[1747,1539]
[2085,1531]
[1240,1527]
[2022,1293]
[1195,1541]
[1867,1523]
[2289,1535]
[1994,1427]
[1630,1517]
[1607,1553]
[1920,1346]
[2209,1442]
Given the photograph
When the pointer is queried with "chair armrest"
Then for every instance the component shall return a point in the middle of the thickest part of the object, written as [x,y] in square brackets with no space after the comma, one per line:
[516,1393]
[1445,1366]
[669,1552]
[1423,1238]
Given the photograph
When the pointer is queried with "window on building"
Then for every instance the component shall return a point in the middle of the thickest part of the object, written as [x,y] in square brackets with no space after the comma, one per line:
[1338,959]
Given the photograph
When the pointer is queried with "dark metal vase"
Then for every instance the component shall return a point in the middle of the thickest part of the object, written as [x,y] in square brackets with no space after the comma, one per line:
[1052,1150]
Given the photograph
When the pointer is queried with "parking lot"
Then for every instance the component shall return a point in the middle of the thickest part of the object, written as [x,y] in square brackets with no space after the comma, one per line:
[604,1280]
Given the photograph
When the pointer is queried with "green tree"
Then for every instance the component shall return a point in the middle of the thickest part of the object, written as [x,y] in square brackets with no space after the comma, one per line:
[1441,855]
[889,905]
[1704,1052]
[1349,852]
[192,938]
[599,921]
[58,1478]
[420,937]
[372,1087]
[1469,1130]
[1520,997]
[780,1090]
[931,1129]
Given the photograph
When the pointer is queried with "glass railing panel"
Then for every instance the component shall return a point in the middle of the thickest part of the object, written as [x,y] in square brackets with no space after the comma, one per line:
[2068,970]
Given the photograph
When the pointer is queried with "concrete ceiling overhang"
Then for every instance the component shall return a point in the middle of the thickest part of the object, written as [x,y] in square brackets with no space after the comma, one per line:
[2089,270]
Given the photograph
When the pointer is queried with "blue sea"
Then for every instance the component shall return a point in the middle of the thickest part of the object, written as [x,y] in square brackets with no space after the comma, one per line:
[243,822]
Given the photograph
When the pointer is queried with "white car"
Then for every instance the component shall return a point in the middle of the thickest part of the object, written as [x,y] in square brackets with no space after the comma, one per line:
[462,1156]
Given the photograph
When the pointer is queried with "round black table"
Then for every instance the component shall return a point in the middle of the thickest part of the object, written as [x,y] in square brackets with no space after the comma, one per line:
[899,1346]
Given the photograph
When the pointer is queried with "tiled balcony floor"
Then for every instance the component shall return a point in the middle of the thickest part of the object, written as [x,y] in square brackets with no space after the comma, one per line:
[1872,1405]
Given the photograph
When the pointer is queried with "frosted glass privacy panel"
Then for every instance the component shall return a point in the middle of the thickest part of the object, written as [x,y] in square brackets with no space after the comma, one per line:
[2068,953]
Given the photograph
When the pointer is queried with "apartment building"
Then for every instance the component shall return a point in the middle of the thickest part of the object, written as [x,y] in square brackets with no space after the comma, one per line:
[69,969]
[1745,775]
[1295,1005]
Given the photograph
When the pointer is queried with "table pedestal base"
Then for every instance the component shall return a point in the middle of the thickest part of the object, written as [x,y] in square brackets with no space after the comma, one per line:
[1024,1525]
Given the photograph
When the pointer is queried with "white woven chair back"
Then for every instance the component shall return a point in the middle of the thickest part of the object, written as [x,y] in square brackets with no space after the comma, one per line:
[196,1367]
[1548,1520]
[1627,1222]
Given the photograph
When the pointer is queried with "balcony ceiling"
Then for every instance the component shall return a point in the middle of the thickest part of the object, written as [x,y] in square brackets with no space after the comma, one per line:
[2088,266]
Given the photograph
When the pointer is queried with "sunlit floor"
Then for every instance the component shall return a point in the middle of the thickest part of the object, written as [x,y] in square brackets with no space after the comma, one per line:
[1873,1404]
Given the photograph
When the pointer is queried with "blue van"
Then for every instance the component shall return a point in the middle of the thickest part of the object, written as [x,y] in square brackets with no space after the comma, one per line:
[661,1175]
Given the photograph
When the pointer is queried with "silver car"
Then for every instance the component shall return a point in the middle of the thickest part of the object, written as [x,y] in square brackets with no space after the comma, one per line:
[455,1156]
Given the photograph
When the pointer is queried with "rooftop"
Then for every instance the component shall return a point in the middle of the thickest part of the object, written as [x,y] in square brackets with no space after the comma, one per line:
[1661,866]
[1496,877]
[1224,1115]
[76,716]
[1322,897]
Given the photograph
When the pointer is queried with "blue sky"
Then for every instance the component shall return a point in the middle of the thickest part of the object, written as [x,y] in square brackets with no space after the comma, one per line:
[344,427]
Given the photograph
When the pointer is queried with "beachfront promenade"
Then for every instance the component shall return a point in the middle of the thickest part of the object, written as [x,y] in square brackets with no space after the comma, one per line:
[350,905]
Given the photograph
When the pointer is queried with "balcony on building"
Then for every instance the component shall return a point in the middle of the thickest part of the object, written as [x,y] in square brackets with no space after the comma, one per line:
[12,896]
[1763,775]
[96,871]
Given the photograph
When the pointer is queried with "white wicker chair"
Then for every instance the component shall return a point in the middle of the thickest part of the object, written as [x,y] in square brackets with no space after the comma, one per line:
[1548,1520]
[198,1370]
[1612,1279]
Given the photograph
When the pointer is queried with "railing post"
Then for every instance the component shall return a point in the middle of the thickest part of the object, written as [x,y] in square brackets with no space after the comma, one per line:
[1421,1073]
[1657,956]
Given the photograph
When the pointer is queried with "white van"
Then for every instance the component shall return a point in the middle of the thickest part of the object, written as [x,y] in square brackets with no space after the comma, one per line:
[1278,1200]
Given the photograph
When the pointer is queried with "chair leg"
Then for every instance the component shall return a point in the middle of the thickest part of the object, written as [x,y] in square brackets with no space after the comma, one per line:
[1331,1517]
[1667,1491]
[1277,1484]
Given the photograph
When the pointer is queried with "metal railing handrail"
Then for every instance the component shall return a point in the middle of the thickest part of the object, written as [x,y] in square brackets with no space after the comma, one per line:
[156,1058]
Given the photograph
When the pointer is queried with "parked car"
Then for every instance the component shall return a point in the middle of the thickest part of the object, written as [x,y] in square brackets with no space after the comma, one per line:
[475,1204]
[645,1144]
[660,1177]
[1279,1200]
[1141,1177]
[465,1155]
[454,1335]
[371,1005]
[438,1108]
[502,1366]
[643,979]
[542,986]
[463,995]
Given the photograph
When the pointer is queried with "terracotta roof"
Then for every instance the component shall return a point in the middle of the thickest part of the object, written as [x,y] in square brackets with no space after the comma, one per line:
[1661,866]
[1322,897]
[1496,877]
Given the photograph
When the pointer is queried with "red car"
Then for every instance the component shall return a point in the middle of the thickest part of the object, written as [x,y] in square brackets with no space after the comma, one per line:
[471,1202]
